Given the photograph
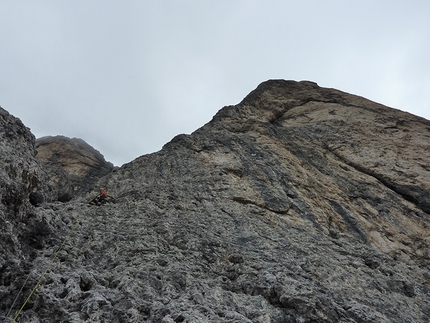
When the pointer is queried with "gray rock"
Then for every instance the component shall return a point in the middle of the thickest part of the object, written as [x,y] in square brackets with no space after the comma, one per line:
[22,179]
[23,185]
[299,204]
[74,166]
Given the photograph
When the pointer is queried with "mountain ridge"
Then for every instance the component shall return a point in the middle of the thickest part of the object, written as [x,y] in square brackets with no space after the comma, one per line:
[299,204]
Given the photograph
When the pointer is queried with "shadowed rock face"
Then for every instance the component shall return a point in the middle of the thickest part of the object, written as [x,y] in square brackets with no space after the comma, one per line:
[299,204]
[23,184]
[22,179]
[74,165]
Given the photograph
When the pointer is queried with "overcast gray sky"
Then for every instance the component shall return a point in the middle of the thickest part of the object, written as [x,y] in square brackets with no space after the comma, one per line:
[127,76]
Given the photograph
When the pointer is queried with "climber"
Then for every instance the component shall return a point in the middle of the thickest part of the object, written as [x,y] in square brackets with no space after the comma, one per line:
[102,198]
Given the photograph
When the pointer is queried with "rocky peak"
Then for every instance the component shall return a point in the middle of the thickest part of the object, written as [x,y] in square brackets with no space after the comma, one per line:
[74,166]
[299,204]
[360,132]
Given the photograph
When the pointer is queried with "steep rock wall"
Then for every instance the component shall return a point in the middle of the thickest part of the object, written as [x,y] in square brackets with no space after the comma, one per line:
[299,204]
[23,185]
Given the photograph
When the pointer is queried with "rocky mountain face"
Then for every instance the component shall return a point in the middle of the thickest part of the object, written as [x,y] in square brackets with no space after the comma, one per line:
[299,204]
[23,185]
[74,166]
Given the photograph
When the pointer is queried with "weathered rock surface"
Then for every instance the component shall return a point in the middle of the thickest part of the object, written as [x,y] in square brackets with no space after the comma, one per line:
[22,179]
[299,204]
[23,184]
[74,166]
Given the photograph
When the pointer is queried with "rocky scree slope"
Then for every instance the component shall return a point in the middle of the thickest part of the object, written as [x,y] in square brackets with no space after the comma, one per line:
[299,204]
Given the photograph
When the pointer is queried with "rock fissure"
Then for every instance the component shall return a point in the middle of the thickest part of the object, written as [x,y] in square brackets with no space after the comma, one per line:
[402,191]
[263,206]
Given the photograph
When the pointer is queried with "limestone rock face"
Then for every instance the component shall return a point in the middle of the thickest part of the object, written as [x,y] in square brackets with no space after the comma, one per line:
[74,165]
[299,204]
[23,185]
[22,179]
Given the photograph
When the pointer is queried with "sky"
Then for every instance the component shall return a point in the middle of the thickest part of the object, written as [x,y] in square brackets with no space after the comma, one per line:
[127,76]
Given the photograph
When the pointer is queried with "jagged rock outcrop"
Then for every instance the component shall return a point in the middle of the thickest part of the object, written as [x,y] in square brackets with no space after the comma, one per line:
[22,179]
[23,185]
[299,204]
[74,165]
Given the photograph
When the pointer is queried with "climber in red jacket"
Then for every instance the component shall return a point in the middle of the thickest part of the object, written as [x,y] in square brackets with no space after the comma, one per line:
[102,198]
